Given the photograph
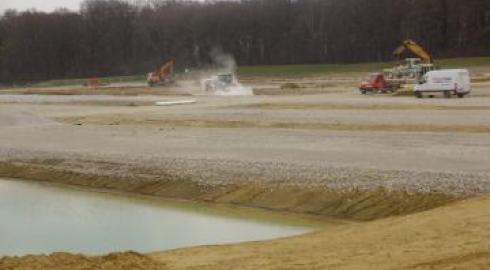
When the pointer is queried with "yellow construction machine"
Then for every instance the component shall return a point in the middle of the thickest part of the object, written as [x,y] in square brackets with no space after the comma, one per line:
[413,68]
[415,49]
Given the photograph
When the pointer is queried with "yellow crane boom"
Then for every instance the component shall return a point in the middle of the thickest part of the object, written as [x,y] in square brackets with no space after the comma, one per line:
[415,49]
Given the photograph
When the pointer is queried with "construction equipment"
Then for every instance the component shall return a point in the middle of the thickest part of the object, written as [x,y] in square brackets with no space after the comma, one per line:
[163,75]
[413,68]
[94,83]
[377,83]
[415,49]
[220,82]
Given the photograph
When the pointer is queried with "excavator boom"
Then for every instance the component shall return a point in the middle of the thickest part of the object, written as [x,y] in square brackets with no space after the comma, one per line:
[166,69]
[162,74]
[415,49]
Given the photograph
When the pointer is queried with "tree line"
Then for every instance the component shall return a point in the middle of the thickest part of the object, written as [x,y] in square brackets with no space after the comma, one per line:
[114,37]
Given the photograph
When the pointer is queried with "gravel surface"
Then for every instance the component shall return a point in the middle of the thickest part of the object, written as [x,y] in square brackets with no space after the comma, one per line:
[448,162]
[268,174]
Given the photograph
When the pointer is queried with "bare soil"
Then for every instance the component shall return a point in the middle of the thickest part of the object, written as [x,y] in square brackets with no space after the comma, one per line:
[66,261]
[456,236]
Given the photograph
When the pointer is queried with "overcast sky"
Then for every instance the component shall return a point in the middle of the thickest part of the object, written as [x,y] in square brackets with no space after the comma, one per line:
[41,5]
[44,5]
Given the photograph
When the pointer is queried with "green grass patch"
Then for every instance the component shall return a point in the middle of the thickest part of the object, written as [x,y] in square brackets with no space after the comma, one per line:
[304,70]
[319,69]
[467,62]
[286,70]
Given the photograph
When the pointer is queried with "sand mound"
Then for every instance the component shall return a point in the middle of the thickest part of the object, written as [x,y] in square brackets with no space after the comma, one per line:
[66,261]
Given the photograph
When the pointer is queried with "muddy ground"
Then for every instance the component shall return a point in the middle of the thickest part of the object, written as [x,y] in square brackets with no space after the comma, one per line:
[306,145]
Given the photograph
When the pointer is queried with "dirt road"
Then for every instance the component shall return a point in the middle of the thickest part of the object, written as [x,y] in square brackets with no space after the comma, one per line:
[397,133]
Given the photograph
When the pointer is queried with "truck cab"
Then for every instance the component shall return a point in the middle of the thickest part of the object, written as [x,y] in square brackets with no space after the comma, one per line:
[377,82]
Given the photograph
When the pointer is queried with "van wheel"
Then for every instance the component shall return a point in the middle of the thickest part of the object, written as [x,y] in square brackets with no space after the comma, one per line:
[418,94]
[460,95]
[363,92]
[447,94]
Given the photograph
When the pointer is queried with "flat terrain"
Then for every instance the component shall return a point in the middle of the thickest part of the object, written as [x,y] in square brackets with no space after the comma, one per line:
[308,145]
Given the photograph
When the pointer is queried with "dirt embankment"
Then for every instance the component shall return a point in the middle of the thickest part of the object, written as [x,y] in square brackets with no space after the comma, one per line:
[456,236]
[66,261]
[358,205]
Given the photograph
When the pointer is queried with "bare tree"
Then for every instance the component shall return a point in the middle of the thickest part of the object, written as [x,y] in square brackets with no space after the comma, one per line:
[114,37]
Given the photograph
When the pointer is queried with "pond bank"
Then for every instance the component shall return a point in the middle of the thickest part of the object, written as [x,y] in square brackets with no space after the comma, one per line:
[350,205]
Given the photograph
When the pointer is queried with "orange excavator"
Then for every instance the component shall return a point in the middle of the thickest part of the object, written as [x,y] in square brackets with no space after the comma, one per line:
[162,75]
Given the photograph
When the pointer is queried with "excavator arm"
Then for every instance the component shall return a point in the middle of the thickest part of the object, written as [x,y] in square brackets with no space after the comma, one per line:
[162,74]
[166,70]
[415,49]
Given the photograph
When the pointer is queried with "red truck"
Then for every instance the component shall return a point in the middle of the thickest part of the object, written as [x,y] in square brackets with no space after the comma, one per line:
[377,83]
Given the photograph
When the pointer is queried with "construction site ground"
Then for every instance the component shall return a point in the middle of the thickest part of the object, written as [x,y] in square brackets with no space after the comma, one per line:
[413,175]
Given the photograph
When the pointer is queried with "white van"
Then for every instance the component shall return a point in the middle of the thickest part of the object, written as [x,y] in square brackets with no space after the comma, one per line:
[448,82]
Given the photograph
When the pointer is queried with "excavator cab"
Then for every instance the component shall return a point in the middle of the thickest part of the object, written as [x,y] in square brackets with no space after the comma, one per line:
[412,62]
[226,79]
[219,82]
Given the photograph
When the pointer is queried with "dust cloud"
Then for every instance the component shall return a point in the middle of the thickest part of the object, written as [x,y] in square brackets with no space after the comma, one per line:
[225,64]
